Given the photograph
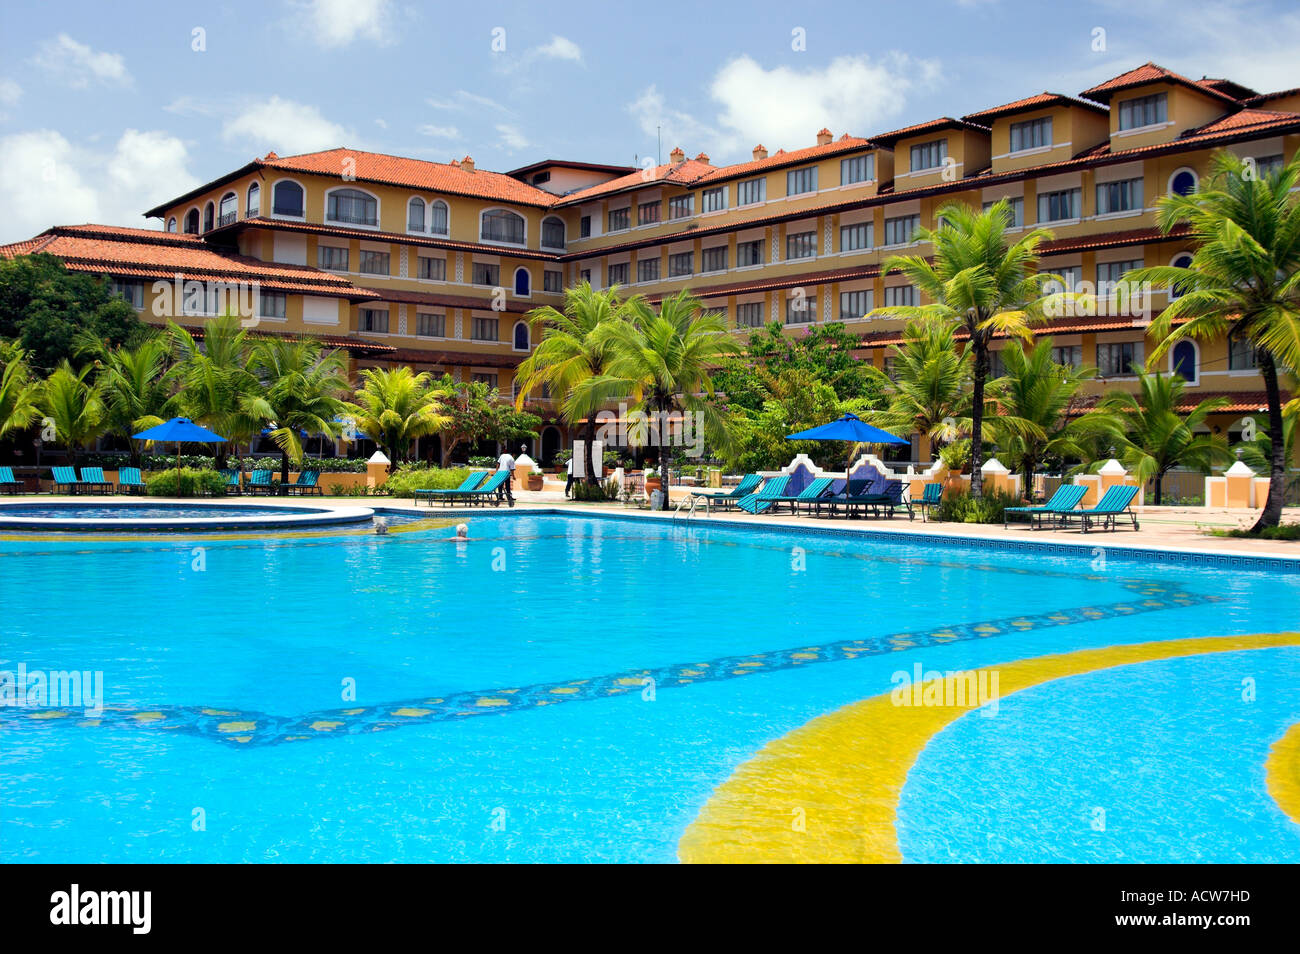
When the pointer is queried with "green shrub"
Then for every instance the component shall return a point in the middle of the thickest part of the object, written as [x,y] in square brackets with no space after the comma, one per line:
[1284,531]
[193,483]
[412,477]
[601,492]
[157,462]
[955,455]
[963,508]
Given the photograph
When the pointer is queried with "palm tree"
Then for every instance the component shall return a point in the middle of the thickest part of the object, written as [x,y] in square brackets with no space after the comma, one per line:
[664,359]
[1152,435]
[19,394]
[73,403]
[570,353]
[928,388]
[395,407]
[1243,282]
[215,386]
[981,284]
[304,388]
[136,386]
[1032,408]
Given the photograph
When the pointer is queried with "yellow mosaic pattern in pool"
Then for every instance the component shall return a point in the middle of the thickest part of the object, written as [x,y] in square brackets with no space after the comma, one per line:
[1282,772]
[829,790]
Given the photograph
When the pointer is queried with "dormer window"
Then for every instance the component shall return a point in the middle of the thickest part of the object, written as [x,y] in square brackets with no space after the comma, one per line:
[857,169]
[929,155]
[352,206]
[1143,111]
[500,225]
[1031,134]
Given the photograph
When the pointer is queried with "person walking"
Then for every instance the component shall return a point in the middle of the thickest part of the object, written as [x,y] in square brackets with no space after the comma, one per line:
[506,462]
[568,483]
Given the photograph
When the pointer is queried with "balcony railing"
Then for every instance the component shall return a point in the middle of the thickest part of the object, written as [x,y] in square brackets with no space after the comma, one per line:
[227,218]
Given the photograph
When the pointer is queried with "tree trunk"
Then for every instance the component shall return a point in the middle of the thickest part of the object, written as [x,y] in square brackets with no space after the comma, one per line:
[1272,514]
[591,442]
[1160,477]
[284,468]
[665,455]
[977,415]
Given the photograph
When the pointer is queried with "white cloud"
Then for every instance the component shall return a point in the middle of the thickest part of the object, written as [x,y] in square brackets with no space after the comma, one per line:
[46,180]
[511,137]
[439,132]
[336,23]
[285,126]
[10,92]
[560,48]
[77,65]
[463,99]
[677,128]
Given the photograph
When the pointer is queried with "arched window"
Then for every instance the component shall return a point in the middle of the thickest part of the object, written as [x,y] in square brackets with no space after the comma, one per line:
[499,225]
[352,206]
[438,217]
[1181,260]
[415,215]
[286,199]
[192,222]
[208,212]
[521,336]
[523,283]
[553,232]
[1183,361]
[254,200]
[1183,182]
[229,210]
[171,224]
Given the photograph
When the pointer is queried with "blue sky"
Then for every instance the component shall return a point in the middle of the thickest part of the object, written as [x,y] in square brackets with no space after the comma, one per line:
[108,109]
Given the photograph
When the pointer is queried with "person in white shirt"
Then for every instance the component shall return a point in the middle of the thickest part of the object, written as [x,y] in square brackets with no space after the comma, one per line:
[507,462]
[568,483]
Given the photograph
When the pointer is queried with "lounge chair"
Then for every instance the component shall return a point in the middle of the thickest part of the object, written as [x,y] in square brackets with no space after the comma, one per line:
[931,496]
[128,480]
[260,483]
[92,478]
[772,491]
[307,483]
[66,477]
[232,481]
[492,492]
[1115,503]
[815,490]
[727,498]
[882,496]
[9,484]
[469,483]
[1062,502]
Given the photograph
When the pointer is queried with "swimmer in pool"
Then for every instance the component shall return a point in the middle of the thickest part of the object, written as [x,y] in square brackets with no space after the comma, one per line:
[462,534]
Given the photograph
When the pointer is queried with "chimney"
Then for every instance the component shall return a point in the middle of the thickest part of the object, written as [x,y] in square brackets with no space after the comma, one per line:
[677,155]
[824,137]
[467,163]
[760,152]
[455,163]
[703,157]
[270,155]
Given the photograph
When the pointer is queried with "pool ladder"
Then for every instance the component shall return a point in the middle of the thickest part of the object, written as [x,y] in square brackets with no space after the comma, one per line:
[690,503]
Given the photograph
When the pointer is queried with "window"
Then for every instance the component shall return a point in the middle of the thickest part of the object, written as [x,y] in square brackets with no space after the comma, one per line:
[1268,165]
[1183,182]
[1058,206]
[1122,196]
[374,263]
[484,329]
[254,200]
[500,225]
[620,219]
[647,270]
[801,245]
[540,177]
[584,227]
[415,215]
[553,233]
[997,367]
[855,304]
[1031,134]
[1109,273]
[900,296]
[192,222]
[1115,360]
[352,206]
[749,315]
[929,155]
[680,206]
[523,283]
[714,200]
[171,224]
[647,213]
[855,238]
[272,305]
[714,259]
[1071,276]
[552,281]
[1242,355]
[208,212]
[286,199]
[584,275]
[1182,361]
[1017,206]
[521,336]
[438,217]
[484,273]
[800,309]
[749,253]
[1069,355]
[332,258]
[617,274]
[374,320]
[751,191]
[681,264]
[432,269]
[429,325]
[899,230]
[130,292]
[491,378]
[1143,111]
[857,169]
[1181,260]
[799,181]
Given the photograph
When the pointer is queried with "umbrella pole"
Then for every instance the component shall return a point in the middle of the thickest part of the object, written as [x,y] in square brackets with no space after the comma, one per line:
[178,470]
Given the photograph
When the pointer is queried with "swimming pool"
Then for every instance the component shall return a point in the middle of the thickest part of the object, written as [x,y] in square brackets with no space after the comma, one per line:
[164,517]
[577,689]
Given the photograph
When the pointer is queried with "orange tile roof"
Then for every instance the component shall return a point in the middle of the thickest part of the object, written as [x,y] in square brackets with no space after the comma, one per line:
[1244,119]
[682,173]
[356,345]
[1149,73]
[1028,103]
[1112,240]
[785,281]
[1267,97]
[933,125]
[780,158]
[442,300]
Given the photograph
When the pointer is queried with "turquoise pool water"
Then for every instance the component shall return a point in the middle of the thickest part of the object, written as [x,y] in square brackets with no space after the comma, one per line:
[569,688]
[124,511]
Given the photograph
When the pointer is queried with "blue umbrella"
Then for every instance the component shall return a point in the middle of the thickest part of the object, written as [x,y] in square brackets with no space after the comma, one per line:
[850,427]
[181,430]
